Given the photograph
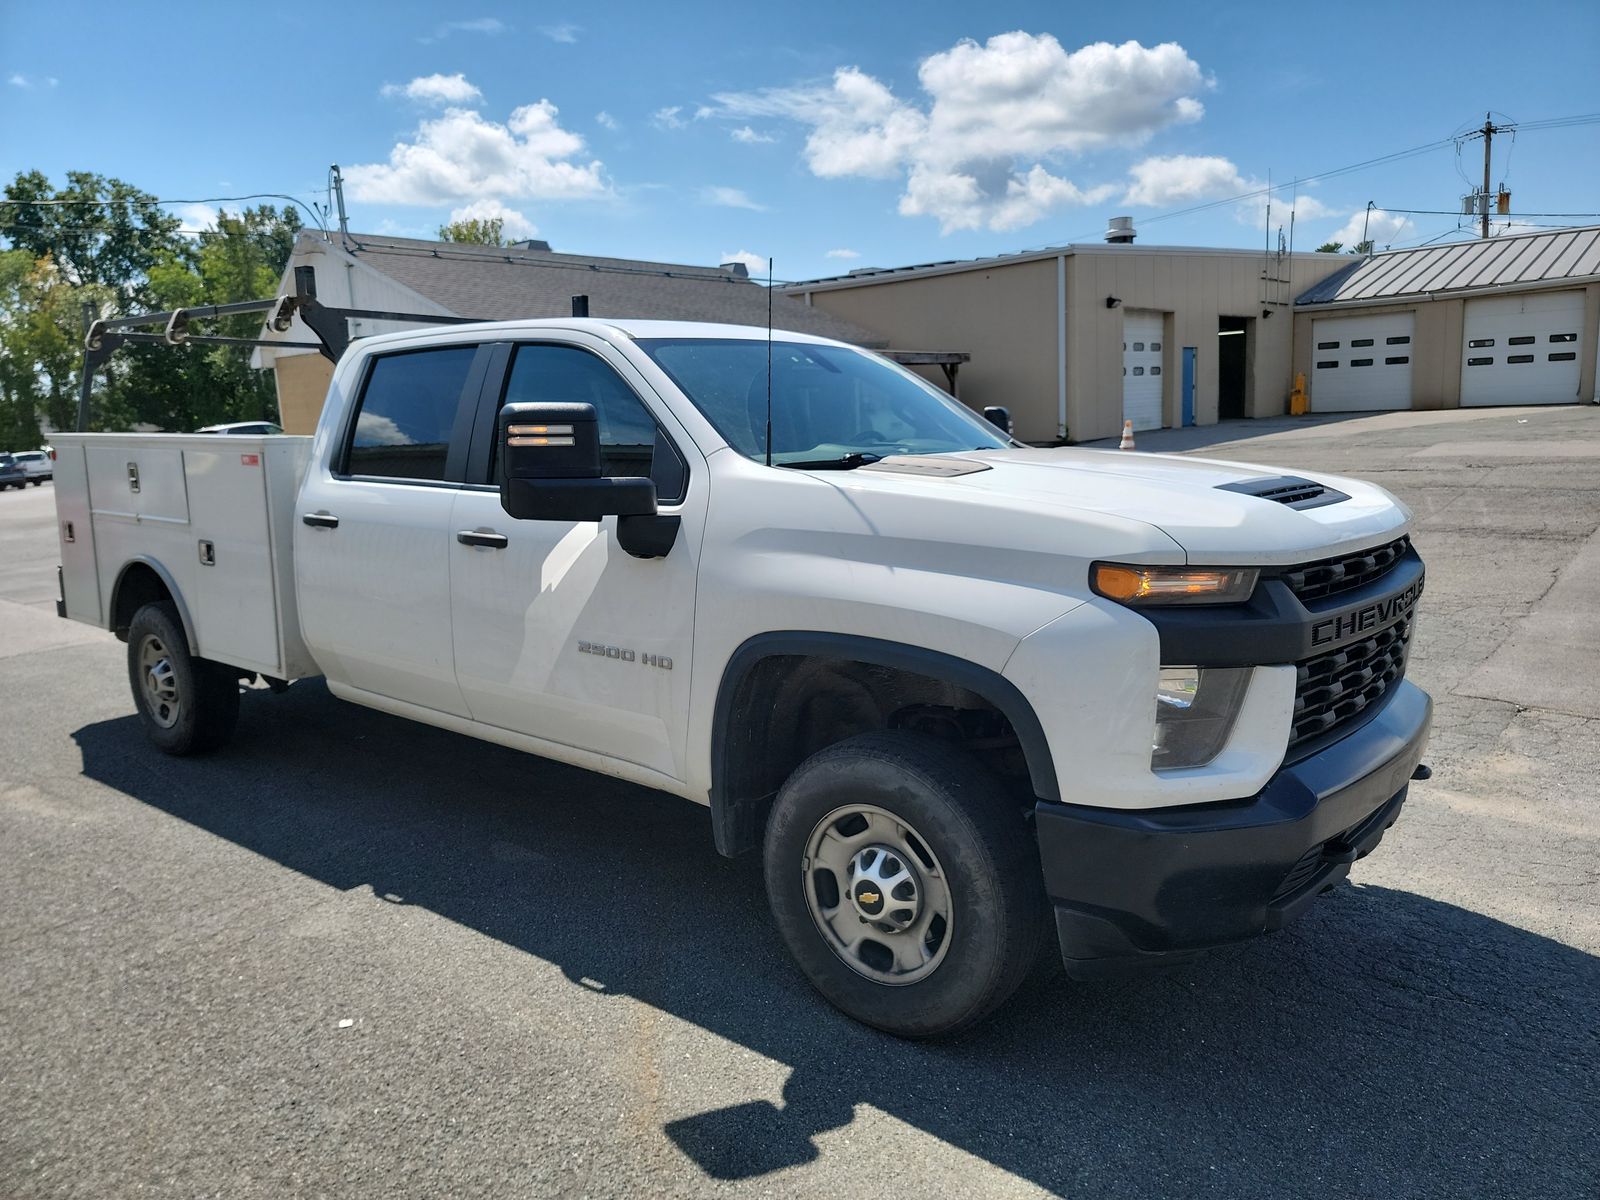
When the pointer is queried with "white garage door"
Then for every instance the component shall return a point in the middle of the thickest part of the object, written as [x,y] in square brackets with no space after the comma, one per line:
[1522,349]
[1359,364]
[1141,369]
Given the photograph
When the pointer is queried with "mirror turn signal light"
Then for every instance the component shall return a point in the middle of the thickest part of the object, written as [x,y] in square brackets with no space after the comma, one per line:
[1141,585]
[539,435]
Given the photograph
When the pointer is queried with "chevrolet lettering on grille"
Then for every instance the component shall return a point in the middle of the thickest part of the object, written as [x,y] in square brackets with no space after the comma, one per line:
[1365,618]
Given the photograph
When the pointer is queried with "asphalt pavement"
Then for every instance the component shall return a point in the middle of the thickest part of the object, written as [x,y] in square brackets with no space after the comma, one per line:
[352,956]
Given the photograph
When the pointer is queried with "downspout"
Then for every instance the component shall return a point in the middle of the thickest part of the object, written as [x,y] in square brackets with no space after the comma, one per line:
[1061,347]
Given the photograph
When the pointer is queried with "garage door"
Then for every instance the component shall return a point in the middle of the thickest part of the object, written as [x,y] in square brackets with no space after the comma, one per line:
[1141,369]
[1522,349]
[1359,364]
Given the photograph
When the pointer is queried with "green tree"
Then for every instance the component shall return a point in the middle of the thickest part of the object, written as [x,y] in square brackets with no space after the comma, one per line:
[1362,248]
[104,242]
[1330,247]
[480,231]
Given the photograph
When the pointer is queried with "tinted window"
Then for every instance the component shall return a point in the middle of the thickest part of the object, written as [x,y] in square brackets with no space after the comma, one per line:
[1360,362]
[568,375]
[1395,362]
[402,428]
[1567,357]
[1480,343]
[1402,340]
[827,400]
[1519,358]
[1563,337]
[1327,365]
[1361,341]
[1521,341]
[1327,345]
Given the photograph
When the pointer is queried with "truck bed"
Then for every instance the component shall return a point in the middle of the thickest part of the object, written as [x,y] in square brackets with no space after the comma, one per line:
[213,515]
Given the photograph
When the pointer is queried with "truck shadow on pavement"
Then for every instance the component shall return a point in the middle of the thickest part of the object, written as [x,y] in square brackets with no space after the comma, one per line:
[1386,1044]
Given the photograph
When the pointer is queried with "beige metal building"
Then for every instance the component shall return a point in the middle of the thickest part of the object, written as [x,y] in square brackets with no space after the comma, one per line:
[1075,340]
[1503,320]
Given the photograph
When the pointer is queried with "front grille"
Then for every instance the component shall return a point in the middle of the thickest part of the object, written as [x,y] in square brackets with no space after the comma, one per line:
[1333,688]
[1303,871]
[1330,576]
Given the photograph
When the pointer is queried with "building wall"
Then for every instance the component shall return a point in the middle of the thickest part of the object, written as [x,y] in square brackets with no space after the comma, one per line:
[1436,343]
[1194,290]
[1004,316]
[302,381]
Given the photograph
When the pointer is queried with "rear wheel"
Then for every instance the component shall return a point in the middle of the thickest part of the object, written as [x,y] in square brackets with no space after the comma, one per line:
[188,705]
[905,882]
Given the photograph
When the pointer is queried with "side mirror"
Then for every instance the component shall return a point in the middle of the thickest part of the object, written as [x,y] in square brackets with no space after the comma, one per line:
[550,471]
[998,416]
[550,456]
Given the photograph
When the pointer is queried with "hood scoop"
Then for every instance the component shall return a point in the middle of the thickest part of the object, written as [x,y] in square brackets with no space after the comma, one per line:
[929,465]
[1289,490]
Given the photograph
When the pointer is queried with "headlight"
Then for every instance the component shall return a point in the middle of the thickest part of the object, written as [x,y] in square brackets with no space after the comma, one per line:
[1141,585]
[1195,710]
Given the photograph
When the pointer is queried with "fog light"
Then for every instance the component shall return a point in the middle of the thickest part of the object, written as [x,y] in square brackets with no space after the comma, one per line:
[1195,711]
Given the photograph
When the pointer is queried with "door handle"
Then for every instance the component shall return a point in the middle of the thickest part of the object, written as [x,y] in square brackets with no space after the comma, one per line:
[320,520]
[488,539]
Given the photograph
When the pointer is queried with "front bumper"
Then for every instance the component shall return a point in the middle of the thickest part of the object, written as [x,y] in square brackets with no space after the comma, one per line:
[1140,888]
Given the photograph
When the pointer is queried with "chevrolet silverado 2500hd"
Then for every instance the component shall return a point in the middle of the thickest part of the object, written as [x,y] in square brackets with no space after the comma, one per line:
[962,693]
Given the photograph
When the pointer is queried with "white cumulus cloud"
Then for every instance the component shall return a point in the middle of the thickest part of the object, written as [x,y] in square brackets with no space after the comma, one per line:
[565,33]
[435,89]
[606,121]
[460,156]
[668,118]
[513,225]
[729,197]
[1162,182]
[750,137]
[973,154]
[1382,228]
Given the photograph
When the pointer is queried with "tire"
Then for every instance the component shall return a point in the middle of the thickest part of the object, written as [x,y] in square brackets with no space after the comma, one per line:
[36,482]
[967,839]
[188,705]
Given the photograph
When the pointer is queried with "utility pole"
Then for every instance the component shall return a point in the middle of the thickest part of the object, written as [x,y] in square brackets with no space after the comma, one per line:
[1489,130]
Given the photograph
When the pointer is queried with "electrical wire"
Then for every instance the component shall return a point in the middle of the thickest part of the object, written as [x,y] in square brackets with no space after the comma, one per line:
[309,209]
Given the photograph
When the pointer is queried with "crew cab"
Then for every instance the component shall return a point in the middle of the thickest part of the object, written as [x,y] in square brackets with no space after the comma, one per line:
[962,694]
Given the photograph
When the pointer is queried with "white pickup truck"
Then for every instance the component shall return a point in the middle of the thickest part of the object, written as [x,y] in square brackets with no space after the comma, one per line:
[962,693]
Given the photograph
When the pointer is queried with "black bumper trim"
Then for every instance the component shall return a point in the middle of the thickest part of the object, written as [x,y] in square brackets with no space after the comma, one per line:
[1135,888]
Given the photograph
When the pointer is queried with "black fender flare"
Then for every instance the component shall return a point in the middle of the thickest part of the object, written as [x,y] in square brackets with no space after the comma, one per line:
[733,818]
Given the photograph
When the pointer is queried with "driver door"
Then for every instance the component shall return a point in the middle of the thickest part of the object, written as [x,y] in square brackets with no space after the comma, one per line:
[559,633]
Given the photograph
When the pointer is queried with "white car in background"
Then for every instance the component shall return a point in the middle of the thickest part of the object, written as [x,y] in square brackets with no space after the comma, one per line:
[244,428]
[36,464]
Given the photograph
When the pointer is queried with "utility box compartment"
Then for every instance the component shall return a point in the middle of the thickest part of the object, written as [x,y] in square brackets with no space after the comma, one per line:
[212,515]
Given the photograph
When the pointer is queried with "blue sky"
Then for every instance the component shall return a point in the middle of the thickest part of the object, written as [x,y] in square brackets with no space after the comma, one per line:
[830,136]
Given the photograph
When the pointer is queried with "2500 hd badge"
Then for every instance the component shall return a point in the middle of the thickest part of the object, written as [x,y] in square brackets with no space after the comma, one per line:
[1368,616]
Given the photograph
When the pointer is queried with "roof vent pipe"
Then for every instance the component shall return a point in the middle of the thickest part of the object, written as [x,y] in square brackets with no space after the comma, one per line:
[1120,231]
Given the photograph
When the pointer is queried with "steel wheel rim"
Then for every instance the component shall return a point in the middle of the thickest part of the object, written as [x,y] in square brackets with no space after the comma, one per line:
[876,938]
[158,682]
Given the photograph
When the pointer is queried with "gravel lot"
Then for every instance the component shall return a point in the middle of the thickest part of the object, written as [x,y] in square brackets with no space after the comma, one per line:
[351,956]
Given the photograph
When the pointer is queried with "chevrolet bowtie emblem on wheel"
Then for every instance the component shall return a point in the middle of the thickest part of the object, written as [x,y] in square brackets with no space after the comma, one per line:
[868,897]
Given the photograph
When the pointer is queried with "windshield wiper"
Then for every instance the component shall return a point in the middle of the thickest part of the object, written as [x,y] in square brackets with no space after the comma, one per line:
[845,462]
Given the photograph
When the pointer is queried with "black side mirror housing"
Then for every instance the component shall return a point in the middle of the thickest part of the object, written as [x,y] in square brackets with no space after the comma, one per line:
[550,456]
[999,416]
[550,471]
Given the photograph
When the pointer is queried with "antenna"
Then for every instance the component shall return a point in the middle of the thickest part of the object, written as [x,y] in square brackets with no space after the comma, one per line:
[338,192]
[769,362]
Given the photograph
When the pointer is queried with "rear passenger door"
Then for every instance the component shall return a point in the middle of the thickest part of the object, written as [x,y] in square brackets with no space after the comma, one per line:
[372,546]
[559,633]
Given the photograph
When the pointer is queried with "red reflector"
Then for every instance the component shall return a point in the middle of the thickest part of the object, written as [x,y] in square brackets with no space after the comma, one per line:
[250,460]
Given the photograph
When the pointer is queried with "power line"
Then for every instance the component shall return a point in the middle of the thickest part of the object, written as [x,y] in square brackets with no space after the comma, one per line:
[315,217]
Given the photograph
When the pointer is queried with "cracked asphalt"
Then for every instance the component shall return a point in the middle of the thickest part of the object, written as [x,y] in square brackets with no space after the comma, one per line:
[350,956]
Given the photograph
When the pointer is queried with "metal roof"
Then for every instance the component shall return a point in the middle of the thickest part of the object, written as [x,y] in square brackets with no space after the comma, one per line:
[866,276]
[1516,260]
[508,282]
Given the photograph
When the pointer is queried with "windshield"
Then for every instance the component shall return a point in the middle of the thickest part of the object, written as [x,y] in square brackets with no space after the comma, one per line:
[828,402]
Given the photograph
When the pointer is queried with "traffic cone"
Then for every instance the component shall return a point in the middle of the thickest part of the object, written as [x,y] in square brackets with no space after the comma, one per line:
[1127,436]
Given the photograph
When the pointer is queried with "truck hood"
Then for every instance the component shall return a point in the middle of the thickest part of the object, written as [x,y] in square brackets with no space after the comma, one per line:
[1186,498]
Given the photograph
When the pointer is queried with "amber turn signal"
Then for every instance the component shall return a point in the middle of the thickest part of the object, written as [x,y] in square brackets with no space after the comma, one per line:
[1129,584]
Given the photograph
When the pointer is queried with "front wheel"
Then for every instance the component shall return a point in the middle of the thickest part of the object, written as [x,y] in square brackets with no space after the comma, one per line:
[188,705]
[905,882]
